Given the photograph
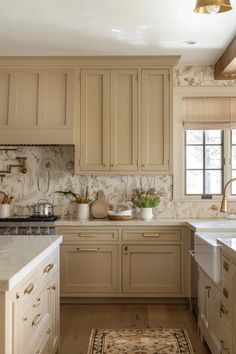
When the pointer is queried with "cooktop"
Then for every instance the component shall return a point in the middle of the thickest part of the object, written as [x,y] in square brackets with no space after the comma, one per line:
[26,218]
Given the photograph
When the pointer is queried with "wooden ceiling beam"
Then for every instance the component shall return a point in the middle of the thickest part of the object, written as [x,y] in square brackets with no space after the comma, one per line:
[225,67]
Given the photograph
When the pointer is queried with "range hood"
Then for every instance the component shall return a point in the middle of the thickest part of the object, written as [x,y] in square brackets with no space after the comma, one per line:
[225,68]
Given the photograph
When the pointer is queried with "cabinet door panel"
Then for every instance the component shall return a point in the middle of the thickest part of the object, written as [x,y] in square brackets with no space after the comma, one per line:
[95,116]
[58,98]
[155,120]
[89,268]
[151,269]
[4,97]
[27,99]
[124,119]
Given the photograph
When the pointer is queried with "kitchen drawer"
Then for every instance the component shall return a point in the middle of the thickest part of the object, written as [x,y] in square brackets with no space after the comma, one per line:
[151,235]
[38,279]
[74,234]
[228,268]
[30,320]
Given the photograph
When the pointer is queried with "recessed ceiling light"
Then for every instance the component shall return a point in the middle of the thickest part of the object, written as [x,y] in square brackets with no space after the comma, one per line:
[189,42]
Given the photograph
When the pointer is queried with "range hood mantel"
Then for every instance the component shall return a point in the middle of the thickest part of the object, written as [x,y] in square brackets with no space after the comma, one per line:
[225,68]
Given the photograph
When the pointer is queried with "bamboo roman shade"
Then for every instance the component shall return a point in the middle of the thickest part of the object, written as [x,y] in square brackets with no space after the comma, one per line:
[209,112]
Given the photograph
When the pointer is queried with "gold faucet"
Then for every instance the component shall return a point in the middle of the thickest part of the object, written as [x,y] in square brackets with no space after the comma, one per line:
[224,206]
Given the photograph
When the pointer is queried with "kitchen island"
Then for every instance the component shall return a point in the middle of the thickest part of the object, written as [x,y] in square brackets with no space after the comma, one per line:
[29,294]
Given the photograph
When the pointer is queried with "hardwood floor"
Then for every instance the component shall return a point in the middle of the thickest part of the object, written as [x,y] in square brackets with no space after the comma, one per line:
[77,321]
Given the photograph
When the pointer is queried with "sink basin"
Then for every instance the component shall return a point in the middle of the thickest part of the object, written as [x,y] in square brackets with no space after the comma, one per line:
[208,252]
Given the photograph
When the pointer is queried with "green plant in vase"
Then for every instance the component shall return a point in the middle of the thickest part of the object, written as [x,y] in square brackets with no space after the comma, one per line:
[146,200]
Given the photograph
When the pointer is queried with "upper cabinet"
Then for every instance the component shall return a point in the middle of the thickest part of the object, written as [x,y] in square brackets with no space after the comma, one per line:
[125,117]
[155,120]
[36,106]
[108,120]
[116,110]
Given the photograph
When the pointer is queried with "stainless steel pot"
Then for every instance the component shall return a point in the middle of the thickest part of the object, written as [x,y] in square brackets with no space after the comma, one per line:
[43,208]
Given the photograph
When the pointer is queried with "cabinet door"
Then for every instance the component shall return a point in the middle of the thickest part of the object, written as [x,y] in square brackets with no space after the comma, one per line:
[155,120]
[124,99]
[54,299]
[89,268]
[151,269]
[209,312]
[95,118]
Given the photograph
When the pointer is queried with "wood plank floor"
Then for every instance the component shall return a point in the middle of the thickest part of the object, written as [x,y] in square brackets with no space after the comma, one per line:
[77,321]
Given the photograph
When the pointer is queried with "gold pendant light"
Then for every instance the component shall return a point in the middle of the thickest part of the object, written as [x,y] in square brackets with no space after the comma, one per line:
[212,6]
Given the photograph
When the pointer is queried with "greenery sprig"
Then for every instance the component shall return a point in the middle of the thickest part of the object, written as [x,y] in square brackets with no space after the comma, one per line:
[77,198]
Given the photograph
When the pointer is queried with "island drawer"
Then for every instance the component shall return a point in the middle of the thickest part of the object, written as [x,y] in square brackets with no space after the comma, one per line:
[151,234]
[38,279]
[32,318]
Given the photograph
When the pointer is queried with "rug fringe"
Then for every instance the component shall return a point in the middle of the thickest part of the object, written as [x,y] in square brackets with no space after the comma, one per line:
[91,341]
[188,341]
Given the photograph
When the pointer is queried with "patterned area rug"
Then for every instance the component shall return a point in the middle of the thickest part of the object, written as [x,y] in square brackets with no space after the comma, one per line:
[139,341]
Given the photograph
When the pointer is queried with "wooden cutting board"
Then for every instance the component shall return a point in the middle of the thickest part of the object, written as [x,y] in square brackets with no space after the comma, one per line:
[100,207]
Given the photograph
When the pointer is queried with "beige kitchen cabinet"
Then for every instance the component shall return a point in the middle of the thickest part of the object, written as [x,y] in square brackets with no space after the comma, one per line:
[36,105]
[122,262]
[155,120]
[29,312]
[108,134]
[143,269]
[89,268]
[209,312]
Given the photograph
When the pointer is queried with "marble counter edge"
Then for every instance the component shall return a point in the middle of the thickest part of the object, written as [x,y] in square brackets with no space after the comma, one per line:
[125,223]
[9,284]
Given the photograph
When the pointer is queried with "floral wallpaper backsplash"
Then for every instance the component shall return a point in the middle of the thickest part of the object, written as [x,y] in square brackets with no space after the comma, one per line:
[51,168]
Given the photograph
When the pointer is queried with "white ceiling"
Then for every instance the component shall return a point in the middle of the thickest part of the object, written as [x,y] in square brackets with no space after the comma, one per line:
[112,27]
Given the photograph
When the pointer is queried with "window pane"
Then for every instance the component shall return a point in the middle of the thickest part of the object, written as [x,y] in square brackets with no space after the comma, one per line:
[234,157]
[233,136]
[213,182]
[194,157]
[194,137]
[213,157]
[233,184]
[213,137]
[194,182]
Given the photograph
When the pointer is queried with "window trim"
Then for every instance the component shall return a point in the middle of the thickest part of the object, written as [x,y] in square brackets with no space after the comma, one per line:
[179,141]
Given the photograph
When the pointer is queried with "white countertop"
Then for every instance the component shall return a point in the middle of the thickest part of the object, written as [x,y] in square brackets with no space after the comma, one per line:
[20,254]
[216,225]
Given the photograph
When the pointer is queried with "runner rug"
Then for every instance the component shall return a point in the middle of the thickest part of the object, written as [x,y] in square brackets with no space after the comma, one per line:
[139,341]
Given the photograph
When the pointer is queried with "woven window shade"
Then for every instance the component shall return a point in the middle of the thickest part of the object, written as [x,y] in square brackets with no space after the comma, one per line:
[207,112]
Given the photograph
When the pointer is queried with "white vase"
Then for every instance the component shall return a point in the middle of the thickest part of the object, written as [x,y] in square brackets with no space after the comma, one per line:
[82,212]
[146,214]
[4,210]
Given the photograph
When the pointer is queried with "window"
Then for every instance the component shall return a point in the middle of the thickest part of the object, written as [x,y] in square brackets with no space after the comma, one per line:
[204,162]
[233,159]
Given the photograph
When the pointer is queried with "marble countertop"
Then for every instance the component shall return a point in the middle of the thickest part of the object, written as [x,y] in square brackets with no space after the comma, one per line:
[212,225]
[111,223]
[20,254]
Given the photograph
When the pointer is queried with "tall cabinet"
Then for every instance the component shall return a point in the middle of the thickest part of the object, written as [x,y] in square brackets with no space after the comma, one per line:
[125,116]
[108,120]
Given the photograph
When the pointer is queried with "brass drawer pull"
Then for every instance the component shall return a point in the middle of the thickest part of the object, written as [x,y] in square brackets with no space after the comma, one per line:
[226,266]
[151,234]
[87,235]
[29,288]
[52,287]
[48,268]
[36,320]
[87,249]
[225,293]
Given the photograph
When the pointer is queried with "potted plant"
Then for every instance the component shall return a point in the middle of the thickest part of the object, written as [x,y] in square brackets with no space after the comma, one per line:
[146,200]
[82,201]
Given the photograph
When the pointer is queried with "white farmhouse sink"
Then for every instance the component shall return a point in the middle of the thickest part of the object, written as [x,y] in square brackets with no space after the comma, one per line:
[208,252]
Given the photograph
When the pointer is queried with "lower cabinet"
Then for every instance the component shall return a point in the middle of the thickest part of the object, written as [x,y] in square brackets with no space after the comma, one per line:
[153,269]
[122,262]
[209,312]
[89,268]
